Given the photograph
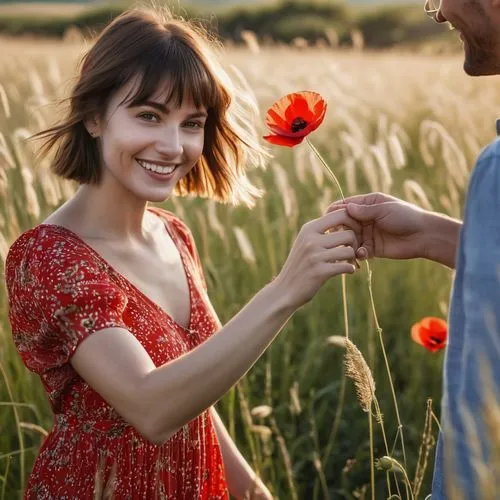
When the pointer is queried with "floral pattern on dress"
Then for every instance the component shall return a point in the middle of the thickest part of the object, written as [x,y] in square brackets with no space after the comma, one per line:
[60,292]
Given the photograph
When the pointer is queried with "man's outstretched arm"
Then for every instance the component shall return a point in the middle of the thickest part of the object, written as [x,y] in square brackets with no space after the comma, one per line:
[394,229]
[440,238]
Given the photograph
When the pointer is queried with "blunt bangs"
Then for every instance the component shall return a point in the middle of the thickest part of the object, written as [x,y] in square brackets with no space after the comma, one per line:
[172,67]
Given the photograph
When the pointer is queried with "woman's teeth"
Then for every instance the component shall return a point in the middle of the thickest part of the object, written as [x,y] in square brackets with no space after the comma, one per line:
[156,168]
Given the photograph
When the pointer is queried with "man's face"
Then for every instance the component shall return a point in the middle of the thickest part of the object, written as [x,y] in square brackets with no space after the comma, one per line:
[478,22]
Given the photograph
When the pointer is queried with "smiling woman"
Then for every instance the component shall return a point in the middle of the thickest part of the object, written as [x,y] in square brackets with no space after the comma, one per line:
[107,298]
[166,64]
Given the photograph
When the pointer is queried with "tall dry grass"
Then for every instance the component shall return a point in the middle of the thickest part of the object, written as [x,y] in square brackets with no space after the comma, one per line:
[405,124]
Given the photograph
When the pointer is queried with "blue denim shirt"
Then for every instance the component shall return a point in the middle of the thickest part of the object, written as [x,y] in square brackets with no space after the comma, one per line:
[474,335]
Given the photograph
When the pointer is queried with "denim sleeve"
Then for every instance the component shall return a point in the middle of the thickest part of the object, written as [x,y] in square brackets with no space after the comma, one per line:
[480,375]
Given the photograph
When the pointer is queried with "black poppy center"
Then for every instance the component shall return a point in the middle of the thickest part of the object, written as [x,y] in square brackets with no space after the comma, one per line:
[298,124]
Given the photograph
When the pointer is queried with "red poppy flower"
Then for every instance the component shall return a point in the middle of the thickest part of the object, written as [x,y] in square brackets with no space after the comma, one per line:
[431,333]
[293,117]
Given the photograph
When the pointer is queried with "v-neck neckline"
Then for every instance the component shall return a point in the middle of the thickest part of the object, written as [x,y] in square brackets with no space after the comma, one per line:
[174,238]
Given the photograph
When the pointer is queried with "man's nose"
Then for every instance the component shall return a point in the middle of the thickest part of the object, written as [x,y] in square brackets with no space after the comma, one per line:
[440,17]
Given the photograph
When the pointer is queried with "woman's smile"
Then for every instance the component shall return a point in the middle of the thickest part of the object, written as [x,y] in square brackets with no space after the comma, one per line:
[157,171]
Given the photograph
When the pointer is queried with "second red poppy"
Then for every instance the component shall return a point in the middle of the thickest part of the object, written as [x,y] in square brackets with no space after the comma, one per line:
[294,117]
[431,333]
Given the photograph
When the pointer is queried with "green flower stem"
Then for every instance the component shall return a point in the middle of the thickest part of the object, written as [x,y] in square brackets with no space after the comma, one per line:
[380,419]
[332,175]
[340,405]
[372,456]
[379,331]
[22,450]
[377,325]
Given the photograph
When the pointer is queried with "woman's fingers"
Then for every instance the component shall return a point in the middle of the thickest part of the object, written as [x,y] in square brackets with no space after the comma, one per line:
[316,257]
[334,220]
[339,254]
[360,199]
[337,205]
[337,268]
[346,237]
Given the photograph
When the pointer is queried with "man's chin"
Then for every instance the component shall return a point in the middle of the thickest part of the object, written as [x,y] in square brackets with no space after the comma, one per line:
[479,63]
[474,69]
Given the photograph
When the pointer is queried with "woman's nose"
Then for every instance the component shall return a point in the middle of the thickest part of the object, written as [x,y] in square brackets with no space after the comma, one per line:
[169,144]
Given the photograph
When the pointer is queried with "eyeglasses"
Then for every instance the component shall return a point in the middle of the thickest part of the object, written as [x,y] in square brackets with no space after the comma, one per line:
[432,7]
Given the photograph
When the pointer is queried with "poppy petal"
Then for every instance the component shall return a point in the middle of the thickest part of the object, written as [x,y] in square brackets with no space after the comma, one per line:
[319,113]
[315,124]
[301,133]
[281,107]
[415,333]
[286,133]
[304,107]
[299,107]
[437,324]
[309,106]
[282,140]
[315,102]
[431,333]
[274,120]
[319,108]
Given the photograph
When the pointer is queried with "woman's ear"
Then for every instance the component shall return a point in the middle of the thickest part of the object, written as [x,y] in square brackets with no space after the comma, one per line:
[93,126]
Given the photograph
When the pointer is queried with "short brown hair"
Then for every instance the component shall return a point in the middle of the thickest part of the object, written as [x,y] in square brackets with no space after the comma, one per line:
[153,45]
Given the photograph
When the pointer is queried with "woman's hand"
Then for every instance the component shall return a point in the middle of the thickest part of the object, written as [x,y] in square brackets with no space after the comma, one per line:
[317,256]
[258,491]
[390,227]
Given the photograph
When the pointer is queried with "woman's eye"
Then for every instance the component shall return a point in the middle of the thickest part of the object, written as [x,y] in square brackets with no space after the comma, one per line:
[149,116]
[194,124]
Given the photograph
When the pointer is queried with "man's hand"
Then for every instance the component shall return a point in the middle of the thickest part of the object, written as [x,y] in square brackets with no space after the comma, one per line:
[394,229]
[391,228]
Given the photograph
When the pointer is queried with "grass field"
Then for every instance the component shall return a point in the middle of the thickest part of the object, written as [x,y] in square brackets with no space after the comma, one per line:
[42,9]
[408,125]
[73,8]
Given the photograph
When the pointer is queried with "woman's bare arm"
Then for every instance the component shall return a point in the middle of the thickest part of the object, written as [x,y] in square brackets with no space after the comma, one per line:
[158,401]
[242,481]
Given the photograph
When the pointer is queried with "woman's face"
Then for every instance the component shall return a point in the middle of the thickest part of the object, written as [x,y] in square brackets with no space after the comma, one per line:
[148,148]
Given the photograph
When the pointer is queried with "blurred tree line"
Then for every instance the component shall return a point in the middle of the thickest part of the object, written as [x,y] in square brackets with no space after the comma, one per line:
[330,22]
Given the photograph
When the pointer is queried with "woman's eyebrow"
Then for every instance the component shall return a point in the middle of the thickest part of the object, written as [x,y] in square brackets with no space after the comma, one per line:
[164,109]
[199,114]
[152,104]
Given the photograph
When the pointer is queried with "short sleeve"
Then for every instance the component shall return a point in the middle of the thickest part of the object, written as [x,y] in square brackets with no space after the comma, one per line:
[59,293]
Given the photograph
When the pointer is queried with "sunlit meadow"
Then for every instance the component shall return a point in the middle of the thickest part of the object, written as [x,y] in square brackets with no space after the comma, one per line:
[408,125]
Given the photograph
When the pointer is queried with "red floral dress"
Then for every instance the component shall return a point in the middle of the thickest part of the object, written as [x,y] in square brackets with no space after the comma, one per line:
[60,292]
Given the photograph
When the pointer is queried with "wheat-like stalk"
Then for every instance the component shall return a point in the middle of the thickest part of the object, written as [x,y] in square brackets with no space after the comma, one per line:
[428,442]
[357,369]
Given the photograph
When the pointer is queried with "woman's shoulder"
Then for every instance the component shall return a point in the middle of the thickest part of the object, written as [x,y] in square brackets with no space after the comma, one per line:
[42,238]
[44,248]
